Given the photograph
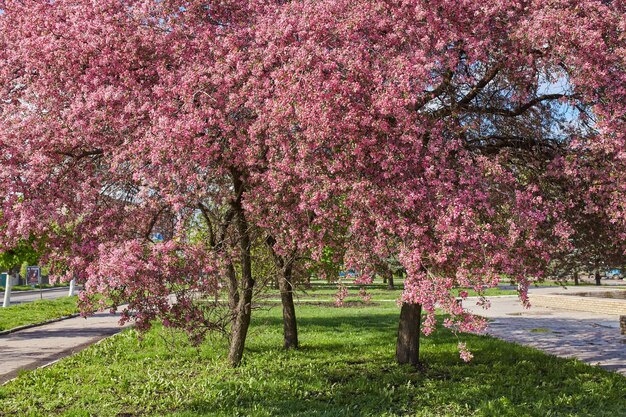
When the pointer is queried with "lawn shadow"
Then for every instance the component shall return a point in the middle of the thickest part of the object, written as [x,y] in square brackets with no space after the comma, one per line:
[362,379]
[513,384]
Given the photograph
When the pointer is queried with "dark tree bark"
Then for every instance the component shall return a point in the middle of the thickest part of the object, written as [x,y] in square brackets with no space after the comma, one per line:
[576,281]
[240,328]
[408,345]
[217,237]
[284,276]
[290,326]
[597,277]
[233,290]
[390,285]
[244,306]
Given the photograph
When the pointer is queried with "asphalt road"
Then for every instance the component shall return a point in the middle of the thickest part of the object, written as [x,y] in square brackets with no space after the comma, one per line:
[18,297]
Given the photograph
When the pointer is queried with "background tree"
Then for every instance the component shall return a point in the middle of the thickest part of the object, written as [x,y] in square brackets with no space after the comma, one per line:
[596,245]
[13,259]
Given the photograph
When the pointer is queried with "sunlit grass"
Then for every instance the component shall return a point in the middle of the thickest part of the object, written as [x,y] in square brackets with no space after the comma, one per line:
[36,312]
[345,367]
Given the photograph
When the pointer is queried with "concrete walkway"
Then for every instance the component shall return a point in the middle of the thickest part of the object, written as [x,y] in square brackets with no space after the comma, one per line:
[592,338]
[39,346]
[18,297]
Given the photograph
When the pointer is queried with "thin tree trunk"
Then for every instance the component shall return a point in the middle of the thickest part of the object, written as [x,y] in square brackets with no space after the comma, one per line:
[576,281]
[284,276]
[408,345]
[597,277]
[240,328]
[390,285]
[244,306]
[290,326]
[233,291]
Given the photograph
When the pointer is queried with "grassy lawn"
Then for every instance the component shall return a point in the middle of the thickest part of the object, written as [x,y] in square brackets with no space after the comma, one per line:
[36,287]
[36,312]
[378,291]
[344,368]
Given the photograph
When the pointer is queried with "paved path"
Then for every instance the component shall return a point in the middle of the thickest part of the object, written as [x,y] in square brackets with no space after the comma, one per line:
[38,346]
[590,337]
[18,297]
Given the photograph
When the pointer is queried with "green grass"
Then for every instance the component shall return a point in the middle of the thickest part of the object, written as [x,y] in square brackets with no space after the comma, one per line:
[540,330]
[345,367]
[36,312]
[377,290]
[30,287]
[488,292]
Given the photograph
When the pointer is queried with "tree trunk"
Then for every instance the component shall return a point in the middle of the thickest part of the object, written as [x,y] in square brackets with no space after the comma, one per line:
[408,345]
[576,281]
[240,328]
[233,291]
[290,326]
[597,277]
[390,285]
[244,306]
[284,268]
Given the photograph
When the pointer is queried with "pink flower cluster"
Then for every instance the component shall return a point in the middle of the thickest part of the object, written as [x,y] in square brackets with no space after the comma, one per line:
[342,293]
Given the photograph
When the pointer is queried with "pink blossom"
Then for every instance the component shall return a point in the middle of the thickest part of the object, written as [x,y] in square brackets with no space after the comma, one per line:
[465,354]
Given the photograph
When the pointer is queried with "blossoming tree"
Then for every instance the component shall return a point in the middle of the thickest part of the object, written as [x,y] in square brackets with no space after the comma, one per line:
[433,132]
[449,129]
[126,123]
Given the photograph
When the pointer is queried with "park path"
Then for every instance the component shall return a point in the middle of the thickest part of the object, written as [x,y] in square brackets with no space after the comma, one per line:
[590,337]
[18,297]
[38,346]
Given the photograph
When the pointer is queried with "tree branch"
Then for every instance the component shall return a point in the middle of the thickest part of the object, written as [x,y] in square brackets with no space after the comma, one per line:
[515,112]
[428,96]
[81,155]
[152,223]
[205,213]
[489,76]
